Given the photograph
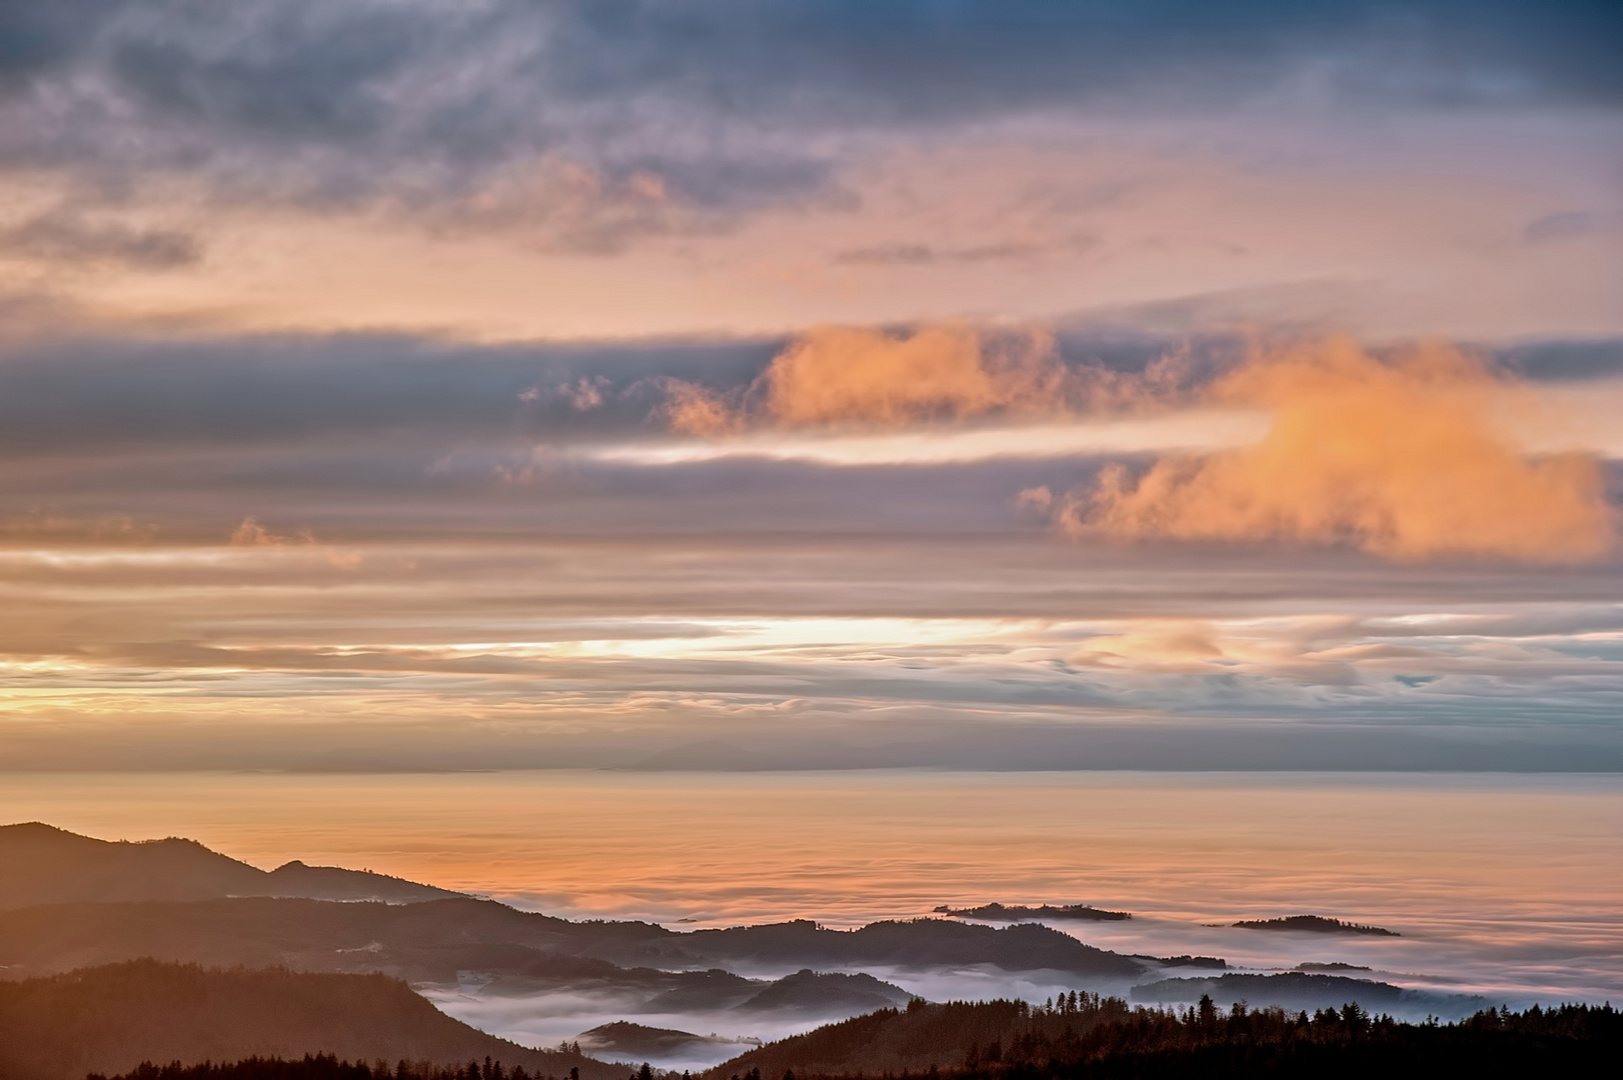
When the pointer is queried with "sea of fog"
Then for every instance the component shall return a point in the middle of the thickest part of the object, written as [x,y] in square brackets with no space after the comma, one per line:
[1503,885]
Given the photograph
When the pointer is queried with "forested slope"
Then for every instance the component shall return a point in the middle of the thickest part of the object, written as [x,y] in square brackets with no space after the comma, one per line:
[111,1019]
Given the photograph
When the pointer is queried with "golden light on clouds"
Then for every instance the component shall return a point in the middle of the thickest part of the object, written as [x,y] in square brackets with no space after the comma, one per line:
[841,375]
[1404,459]
[1412,456]
[864,378]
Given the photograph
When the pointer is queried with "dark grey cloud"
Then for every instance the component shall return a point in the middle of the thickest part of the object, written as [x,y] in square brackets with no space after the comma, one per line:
[64,237]
[730,103]
[87,395]
[36,38]
[72,395]
[1564,359]
[1561,225]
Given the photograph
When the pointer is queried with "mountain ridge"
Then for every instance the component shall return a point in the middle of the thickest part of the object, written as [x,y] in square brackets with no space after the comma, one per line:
[46,865]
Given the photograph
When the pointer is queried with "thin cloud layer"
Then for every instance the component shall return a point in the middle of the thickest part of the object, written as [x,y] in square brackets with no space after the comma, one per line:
[1408,459]
[312,552]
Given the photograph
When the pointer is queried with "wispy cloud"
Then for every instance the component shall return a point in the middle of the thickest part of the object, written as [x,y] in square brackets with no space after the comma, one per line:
[67,238]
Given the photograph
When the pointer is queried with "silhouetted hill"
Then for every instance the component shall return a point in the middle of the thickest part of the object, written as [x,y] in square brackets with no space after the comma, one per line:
[999,913]
[1334,965]
[110,1019]
[1094,1038]
[426,942]
[433,940]
[1314,924]
[638,1042]
[47,865]
[912,943]
[814,993]
[295,879]
[1185,960]
[705,991]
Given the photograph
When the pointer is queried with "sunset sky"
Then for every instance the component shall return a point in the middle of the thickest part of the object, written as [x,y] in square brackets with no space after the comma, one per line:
[988,385]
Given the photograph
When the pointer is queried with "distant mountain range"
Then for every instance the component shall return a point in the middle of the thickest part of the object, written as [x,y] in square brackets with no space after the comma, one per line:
[430,942]
[67,901]
[70,902]
[46,865]
[110,1019]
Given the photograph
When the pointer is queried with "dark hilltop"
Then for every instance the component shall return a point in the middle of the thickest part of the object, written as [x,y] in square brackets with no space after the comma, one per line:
[1315,924]
[995,912]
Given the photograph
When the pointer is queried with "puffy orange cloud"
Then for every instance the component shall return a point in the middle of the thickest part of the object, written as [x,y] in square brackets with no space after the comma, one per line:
[836,376]
[1407,458]
[693,410]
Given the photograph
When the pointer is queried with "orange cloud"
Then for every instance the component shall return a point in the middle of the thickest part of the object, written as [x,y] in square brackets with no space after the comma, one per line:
[1407,459]
[252,534]
[868,378]
[834,375]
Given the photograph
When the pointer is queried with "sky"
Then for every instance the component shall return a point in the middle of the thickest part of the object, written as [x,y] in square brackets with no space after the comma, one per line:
[395,385]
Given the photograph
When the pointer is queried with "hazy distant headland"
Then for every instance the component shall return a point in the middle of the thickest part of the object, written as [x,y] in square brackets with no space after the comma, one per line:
[1335,965]
[996,912]
[1185,960]
[622,1040]
[1315,924]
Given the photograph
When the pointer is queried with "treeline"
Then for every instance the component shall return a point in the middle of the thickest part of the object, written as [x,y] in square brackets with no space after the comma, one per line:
[110,1019]
[329,1067]
[1085,1036]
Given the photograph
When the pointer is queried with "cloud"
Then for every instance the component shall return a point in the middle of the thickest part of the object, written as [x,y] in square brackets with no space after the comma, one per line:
[86,395]
[69,238]
[252,534]
[558,204]
[926,255]
[834,375]
[723,106]
[1408,459]
[586,394]
[839,376]
[1560,226]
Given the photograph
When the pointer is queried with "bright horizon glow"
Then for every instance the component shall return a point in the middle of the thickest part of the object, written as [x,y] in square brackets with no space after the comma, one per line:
[1192,430]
